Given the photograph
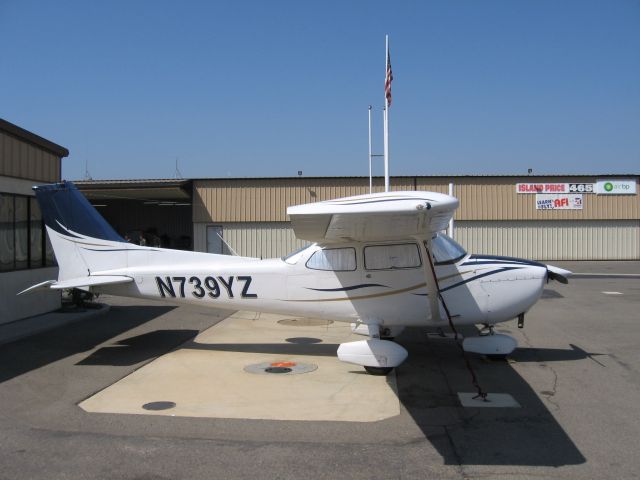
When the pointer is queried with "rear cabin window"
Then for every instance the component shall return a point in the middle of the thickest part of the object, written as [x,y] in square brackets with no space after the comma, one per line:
[389,257]
[333,259]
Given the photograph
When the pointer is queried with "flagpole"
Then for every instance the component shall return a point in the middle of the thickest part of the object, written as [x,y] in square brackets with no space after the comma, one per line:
[386,120]
[370,173]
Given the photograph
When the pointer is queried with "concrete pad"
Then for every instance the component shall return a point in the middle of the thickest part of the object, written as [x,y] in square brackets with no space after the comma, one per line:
[493,400]
[206,377]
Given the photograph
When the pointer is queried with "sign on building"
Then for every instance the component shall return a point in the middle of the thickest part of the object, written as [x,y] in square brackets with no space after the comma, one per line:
[554,187]
[581,187]
[550,201]
[616,187]
[542,187]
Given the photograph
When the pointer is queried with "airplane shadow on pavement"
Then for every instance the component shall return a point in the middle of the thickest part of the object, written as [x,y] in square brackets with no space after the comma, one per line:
[428,384]
[316,349]
[30,353]
[139,348]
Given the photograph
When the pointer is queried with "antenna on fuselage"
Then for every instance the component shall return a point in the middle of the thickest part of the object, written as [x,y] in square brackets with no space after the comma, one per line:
[227,244]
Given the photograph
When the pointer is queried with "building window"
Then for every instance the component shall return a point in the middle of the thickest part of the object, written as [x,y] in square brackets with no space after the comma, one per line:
[23,243]
[35,237]
[21,228]
[7,236]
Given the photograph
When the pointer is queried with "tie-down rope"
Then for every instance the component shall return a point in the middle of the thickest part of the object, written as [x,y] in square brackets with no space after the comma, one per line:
[474,379]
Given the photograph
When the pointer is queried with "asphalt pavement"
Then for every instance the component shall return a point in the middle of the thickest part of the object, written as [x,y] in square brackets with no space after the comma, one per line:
[576,376]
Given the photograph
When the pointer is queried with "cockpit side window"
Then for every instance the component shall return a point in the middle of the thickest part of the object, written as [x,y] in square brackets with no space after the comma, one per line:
[333,259]
[446,250]
[390,257]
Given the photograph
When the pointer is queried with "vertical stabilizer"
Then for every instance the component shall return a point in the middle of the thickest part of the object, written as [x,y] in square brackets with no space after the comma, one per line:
[66,211]
[77,231]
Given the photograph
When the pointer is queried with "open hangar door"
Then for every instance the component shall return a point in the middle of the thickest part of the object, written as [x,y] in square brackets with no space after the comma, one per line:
[149,212]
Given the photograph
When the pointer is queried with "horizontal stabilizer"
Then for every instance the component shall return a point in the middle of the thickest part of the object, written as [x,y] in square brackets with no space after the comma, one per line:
[80,282]
[46,285]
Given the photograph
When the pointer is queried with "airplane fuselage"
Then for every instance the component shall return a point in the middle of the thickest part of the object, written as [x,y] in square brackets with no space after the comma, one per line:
[477,289]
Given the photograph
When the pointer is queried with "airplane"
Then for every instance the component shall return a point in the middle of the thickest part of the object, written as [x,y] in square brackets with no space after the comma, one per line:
[379,262]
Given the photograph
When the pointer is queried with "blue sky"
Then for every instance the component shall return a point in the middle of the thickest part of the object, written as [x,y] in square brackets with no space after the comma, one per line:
[267,88]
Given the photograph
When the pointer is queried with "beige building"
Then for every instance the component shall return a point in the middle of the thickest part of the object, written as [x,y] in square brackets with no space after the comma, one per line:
[493,218]
[521,216]
[25,256]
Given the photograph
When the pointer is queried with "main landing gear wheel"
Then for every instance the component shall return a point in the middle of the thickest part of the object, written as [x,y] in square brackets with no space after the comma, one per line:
[380,371]
[497,356]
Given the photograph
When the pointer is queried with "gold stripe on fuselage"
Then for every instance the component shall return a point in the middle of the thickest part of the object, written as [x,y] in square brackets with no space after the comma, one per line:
[384,294]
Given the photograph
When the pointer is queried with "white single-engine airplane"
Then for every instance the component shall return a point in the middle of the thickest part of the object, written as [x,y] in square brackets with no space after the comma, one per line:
[377,261]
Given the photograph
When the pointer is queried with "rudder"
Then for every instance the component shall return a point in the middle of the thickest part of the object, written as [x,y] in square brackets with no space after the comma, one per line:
[80,237]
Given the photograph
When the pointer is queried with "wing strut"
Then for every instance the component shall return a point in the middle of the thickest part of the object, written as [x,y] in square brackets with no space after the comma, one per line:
[435,294]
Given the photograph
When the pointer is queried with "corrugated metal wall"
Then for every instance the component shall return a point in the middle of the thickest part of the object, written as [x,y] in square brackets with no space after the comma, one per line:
[481,198]
[558,240]
[492,217]
[266,200]
[495,198]
[262,240]
[23,160]
[553,240]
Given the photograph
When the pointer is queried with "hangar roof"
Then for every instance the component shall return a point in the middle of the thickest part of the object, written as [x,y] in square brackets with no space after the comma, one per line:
[33,139]
[143,189]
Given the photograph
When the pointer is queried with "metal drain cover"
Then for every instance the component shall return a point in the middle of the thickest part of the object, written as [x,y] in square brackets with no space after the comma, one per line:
[159,405]
[303,340]
[280,368]
[305,322]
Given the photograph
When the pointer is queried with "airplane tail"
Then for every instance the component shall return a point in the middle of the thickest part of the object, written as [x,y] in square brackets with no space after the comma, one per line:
[83,241]
[90,253]
[66,211]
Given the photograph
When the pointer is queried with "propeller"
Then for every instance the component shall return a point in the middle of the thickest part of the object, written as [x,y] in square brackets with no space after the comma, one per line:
[557,273]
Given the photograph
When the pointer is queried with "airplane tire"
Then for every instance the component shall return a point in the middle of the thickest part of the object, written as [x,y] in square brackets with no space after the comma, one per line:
[497,357]
[380,371]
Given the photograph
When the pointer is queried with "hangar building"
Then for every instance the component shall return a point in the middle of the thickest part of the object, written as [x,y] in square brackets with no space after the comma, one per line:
[25,255]
[562,217]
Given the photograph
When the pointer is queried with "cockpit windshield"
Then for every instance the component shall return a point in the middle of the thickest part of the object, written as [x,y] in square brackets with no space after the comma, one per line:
[446,249]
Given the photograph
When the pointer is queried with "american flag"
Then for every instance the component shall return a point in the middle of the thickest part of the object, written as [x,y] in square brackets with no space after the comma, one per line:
[388,80]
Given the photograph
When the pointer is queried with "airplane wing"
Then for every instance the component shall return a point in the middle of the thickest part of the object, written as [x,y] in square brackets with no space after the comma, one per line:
[373,217]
